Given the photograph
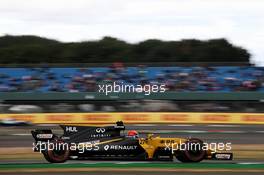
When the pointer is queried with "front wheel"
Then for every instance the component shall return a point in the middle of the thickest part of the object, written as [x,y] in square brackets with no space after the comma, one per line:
[57,152]
[193,151]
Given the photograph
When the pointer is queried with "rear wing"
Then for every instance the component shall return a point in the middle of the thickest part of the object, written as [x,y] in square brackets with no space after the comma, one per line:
[42,135]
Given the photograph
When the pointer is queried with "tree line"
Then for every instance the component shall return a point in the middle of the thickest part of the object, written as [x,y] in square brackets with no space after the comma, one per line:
[34,49]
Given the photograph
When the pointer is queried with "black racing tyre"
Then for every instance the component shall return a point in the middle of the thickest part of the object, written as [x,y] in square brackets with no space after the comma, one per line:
[193,151]
[180,157]
[58,155]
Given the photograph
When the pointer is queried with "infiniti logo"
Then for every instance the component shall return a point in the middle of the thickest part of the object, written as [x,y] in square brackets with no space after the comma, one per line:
[100,130]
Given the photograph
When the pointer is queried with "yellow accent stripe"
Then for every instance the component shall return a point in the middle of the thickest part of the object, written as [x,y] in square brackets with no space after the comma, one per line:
[109,141]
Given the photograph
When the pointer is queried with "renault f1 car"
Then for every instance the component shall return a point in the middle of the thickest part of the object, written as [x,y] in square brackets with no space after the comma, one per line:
[111,142]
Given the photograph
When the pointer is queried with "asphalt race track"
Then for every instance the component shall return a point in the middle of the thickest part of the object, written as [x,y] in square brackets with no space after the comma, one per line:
[16,137]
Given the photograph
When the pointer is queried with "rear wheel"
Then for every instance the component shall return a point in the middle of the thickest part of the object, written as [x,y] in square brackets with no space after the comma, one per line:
[58,153]
[193,151]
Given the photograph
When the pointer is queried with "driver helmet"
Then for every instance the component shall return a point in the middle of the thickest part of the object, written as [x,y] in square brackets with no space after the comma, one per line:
[132,133]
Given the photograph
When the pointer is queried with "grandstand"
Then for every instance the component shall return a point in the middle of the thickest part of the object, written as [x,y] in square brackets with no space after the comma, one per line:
[236,88]
[179,79]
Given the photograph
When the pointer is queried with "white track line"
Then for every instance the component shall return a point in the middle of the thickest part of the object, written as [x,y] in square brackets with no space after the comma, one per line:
[232,132]
[21,134]
[47,125]
[123,163]
[180,125]
[250,163]
[141,162]
[229,126]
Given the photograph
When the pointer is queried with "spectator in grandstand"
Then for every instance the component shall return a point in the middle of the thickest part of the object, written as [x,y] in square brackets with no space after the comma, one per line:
[180,79]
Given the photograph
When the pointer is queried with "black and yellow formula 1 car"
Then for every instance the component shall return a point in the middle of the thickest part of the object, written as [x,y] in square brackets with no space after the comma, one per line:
[110,143]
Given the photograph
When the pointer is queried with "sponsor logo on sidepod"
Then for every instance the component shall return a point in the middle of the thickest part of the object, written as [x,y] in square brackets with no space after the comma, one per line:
[120,147]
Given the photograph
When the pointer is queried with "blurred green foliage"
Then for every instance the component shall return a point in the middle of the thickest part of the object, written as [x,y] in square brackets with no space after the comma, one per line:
[33,49]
